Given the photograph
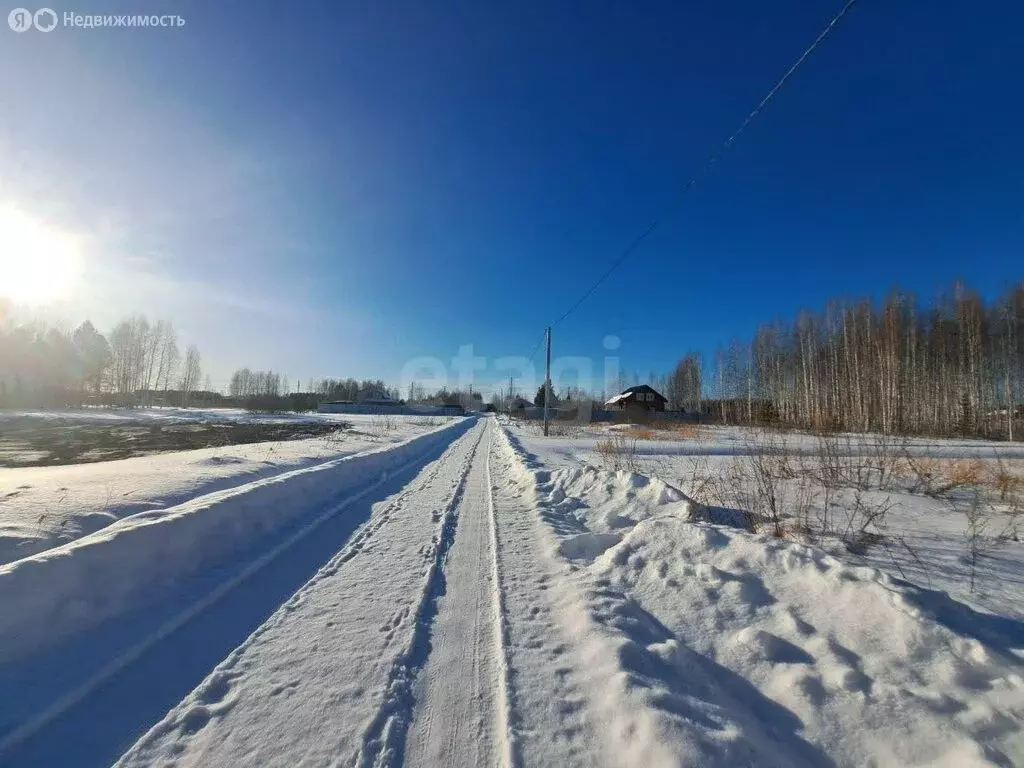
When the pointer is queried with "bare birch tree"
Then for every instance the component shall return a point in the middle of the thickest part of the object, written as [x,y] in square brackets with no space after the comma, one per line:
[191,373]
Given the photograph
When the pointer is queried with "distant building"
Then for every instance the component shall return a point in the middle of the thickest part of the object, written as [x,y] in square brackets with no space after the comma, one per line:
[380,406]
[641,398]
[519,405]
[381,402]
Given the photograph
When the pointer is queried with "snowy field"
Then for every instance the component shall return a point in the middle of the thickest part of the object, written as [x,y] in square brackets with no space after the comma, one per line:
[42,507]
[476,595]
[55,438]
[164,415]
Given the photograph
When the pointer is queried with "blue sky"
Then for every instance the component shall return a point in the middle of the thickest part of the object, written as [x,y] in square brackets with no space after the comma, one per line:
[336,188]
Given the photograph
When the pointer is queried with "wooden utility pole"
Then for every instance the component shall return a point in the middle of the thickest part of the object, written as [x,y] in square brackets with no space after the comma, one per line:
[547,382]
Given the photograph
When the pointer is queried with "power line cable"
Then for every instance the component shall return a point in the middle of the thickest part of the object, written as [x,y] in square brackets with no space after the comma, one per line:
[539,342]
[715,156]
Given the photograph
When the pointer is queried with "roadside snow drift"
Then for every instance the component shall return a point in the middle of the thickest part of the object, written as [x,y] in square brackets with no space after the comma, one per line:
[54,594]
[802,650]
[739,649]
[44,507]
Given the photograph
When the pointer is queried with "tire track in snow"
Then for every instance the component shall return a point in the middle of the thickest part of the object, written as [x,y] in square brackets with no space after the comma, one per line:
[461,712]
[358,543]
[384,739]
[501,631]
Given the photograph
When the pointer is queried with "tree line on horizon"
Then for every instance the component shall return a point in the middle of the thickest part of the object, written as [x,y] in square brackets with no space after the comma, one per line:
[258,390]
[953,367]
[140,363]
[271,391]
[136,363]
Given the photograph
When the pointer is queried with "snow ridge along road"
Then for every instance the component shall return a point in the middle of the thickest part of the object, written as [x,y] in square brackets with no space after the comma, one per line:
[130,665]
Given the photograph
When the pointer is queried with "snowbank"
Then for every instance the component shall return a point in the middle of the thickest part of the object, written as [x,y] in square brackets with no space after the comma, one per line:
[51,595]
[922,539]
[807,652]
[43,507]
[744,649]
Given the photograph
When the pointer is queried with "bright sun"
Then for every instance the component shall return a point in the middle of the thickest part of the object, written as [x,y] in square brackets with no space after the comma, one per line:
[37,264]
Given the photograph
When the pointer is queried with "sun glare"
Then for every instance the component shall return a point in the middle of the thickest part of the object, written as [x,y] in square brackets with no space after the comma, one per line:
[37,264]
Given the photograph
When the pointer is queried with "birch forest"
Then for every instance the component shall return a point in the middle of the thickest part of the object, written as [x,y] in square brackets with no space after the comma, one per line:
[136,363]
[953,367]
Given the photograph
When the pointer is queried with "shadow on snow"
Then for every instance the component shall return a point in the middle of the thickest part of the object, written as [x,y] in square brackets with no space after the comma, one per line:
[97,730]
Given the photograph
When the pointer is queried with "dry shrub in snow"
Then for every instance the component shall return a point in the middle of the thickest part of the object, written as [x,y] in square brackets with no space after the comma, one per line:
[789,493]
[976,534]
[923,472]
[651,429]
[1014,516]
[1003,481]
[564,429]
[847,489]
[429,421]
[986,526]
[865,520]
[768,473]
[987,496]
[689,432]
[754,484]
[570,429]
[884,456]
[380,426]
[699,480]
[940,477]
[859,461]
[618,453]
[966,472]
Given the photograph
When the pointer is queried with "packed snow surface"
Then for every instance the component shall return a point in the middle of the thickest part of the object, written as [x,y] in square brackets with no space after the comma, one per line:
[458,599]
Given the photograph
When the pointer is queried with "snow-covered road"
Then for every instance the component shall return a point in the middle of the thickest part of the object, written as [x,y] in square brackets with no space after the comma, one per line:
[432,638]
[452,601]
[330,676]
[461,715]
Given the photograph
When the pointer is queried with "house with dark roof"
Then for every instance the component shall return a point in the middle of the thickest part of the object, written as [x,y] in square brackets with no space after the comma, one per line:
[519,405]
[639,398]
